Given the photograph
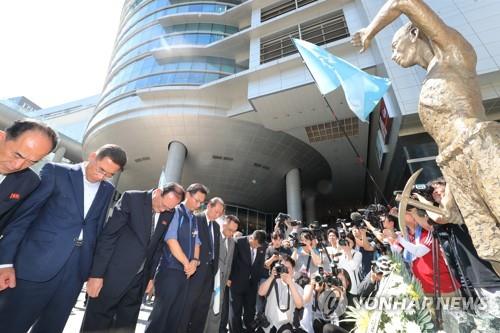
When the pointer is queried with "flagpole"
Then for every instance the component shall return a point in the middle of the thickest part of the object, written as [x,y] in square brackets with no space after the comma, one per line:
[358,155]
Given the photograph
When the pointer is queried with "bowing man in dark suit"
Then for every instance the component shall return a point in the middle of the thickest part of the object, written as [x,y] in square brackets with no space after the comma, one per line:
[22,144]
[180,260]
[123,264]
[200,289]
[51,242]
[219,304]
[248,268]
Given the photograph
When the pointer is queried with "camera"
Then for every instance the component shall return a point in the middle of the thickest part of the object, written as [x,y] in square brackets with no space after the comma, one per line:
[294,240]
[282,217]
[424,190]
[303,280]
[372,214]
[328,279]
[259,321]
[318,231]
[343,238]
[280,221]
[280,269]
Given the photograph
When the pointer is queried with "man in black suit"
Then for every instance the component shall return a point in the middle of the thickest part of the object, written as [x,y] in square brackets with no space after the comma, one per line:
[123,262]
[22,144]
[248,268]
[178,264]
[200,290]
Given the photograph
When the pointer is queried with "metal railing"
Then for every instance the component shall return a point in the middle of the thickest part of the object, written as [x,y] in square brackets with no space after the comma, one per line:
[281,8]
[323,30]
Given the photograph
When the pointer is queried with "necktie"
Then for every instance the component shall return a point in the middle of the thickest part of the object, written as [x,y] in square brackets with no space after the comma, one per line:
[254,251]
[210,230]
[152,225]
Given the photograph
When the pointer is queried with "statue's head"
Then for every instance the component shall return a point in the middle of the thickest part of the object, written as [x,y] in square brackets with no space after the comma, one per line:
[409,46]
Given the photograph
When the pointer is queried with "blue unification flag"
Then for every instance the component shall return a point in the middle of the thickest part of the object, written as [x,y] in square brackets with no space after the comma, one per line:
[362,90]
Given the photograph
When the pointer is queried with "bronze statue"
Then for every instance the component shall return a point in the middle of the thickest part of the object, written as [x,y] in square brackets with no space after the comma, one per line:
[452,112]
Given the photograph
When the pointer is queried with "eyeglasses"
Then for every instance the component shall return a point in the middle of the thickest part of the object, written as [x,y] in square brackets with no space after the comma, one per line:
[103,172]
[201,202]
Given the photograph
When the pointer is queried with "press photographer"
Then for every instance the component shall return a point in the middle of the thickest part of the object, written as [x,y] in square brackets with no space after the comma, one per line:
[274,253]
[275,249]
[283,297]
[370,284]
[350,260]
[307,257]
[325,301]
[477,276]
[333,242]
[285,225]
[364,244]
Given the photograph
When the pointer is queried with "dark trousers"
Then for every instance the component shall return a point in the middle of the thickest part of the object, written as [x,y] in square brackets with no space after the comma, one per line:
[45,305]
[224,312]
[171,291]
[195,311]
[242,301]
[115,314]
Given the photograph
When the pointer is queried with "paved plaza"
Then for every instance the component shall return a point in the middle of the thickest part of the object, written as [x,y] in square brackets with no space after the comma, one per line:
[76,317]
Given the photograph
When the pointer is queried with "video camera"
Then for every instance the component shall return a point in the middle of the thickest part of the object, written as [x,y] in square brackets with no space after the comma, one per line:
[281,218]
[294,240]
[372,214]
[424,190]
[318,231]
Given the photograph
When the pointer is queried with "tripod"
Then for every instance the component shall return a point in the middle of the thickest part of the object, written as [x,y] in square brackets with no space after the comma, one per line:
[436,275]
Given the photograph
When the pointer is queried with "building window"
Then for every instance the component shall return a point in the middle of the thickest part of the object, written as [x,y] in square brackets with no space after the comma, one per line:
[281,8]
[323,30]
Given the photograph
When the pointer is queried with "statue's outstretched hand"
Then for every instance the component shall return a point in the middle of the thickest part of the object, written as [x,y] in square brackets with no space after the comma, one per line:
[361,39]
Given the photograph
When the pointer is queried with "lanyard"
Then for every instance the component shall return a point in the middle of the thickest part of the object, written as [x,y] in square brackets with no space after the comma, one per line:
[275,284]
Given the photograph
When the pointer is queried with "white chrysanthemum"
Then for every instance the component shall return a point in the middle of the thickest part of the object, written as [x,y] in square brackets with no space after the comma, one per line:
[390,328]
[413,327]
[396,320]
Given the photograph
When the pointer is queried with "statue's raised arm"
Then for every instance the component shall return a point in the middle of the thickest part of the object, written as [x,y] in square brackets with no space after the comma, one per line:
[426,22]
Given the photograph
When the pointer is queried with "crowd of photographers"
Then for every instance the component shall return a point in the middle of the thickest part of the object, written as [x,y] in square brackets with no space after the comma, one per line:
[315,272]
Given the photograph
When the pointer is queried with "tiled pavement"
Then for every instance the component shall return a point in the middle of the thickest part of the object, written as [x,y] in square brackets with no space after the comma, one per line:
[75,319]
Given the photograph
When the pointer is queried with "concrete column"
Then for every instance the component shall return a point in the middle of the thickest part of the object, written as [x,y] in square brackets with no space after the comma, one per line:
[293,200]
[175,161]
[310,202]
[59,154]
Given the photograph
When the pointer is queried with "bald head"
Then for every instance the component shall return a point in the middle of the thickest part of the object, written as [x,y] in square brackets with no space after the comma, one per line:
[24,143]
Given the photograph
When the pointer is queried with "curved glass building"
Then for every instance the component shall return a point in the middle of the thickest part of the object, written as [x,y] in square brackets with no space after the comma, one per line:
[214,92]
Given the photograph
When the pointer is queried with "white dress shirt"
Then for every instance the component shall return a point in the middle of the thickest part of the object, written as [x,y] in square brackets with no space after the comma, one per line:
[89,192]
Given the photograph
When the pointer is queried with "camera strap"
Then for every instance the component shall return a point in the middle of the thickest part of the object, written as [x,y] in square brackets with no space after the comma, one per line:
[315,302]
[308,263]
[278,297]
